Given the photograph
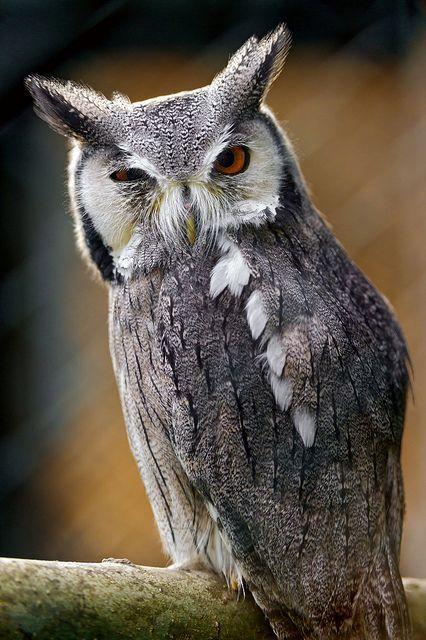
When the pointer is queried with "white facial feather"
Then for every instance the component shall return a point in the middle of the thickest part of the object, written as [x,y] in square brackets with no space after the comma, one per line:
[73,160]
[217,147]
[218,202]
[113,215]
[139,162]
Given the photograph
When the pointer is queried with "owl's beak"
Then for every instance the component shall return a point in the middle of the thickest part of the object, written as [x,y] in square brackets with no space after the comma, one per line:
[191,222]
[191,229]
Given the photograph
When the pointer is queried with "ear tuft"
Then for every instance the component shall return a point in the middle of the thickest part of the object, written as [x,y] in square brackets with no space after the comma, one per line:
[71,109]
[275,47]
[247,78]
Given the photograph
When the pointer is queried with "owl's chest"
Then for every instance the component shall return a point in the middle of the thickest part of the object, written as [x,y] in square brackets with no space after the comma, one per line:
[200,334]
[168,333]
[136,353]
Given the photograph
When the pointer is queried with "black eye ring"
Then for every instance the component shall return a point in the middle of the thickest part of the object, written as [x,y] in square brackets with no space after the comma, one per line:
[129,175]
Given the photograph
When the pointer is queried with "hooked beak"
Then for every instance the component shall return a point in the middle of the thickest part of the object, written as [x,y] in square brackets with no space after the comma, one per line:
[191,229]
[191,223]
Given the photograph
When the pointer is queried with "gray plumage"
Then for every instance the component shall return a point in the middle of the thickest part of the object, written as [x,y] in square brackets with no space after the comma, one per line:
[262,377]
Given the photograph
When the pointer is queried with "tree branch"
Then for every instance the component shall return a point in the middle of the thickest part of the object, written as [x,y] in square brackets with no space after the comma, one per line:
[113,601]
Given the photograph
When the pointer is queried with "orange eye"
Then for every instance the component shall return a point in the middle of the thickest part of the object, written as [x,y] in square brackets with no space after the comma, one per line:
[120,175]
[129,175]
[232,160]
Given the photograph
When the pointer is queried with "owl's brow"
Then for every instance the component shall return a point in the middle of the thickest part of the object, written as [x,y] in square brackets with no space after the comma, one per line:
[218,146]
[215,149]
[140,162]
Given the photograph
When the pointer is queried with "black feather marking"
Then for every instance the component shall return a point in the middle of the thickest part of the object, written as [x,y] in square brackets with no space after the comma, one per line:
[166,502]
[345,508]
[308,310]
[346,371]
[240,408]
[148,444]
[151,362]
[139,340]
[208,379]
[275,442]
[302,476]
[192,410]
[349,444]
[335,421]
[271,270]
[125,356]
[145,406]
[205,551]
[99,253]
[131,301]
[169,355]
[294,441]
[237,528]
[280,308]
[151,377]
[198,355]
[317,408]
[170,527]
[159,394]
[179,481]
[194,512]
[312,362]
[305,530]
[171,311]
[370,529]
[244,437]
[182,335]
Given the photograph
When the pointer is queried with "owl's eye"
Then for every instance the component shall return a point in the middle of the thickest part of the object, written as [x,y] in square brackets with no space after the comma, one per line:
[232,160]
[128,175]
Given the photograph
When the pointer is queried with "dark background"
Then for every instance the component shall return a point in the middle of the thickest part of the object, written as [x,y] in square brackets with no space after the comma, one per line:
[353,95]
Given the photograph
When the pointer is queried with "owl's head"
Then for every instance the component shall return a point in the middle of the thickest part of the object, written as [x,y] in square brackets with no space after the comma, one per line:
[182,167]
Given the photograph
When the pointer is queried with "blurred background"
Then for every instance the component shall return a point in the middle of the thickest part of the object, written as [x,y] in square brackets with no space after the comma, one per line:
[353,100]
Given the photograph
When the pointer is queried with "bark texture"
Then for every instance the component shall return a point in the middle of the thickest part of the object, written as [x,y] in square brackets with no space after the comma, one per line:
[43,600]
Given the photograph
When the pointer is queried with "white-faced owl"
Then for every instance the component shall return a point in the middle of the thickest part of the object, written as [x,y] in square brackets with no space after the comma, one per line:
[262,376]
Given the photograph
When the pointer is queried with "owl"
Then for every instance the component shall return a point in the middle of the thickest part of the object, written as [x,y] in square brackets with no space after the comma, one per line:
[262,377]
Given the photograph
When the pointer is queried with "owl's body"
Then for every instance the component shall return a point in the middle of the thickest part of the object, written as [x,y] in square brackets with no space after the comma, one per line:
[262,377]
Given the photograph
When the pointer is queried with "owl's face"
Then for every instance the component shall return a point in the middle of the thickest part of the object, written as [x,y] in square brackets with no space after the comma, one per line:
[184,166]
[181,169]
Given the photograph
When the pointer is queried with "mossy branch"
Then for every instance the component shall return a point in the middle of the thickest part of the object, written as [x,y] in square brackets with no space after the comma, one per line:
[43,600]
